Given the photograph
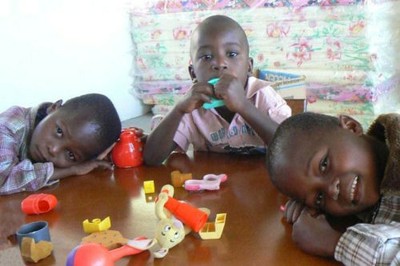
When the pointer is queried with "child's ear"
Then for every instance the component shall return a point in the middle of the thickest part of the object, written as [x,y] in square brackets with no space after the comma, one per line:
[191,72]
[351,124]
[250,69]
[106,152]
[54,106]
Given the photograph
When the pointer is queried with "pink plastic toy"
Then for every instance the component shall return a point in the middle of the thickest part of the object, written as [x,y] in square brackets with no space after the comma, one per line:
[209,182]
[93,254]
[38,203]
[127,152]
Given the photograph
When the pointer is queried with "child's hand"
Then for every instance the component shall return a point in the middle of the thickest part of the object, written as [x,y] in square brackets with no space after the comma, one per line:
[232,91]
[199,93]
[314,235]
[86,167]
[292,211]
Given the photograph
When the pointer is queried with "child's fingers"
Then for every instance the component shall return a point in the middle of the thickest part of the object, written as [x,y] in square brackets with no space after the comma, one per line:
[104,164]
[203,88]
[293,210]
[104,154]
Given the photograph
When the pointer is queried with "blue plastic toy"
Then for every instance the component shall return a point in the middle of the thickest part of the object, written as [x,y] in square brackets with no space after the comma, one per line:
[214,102]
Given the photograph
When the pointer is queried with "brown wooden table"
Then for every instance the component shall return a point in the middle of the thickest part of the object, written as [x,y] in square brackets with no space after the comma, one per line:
[254,233]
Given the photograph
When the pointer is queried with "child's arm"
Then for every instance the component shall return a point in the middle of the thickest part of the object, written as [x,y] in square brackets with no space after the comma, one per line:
[102,161]
[359,244]
[315,235]
[23,176]
[80,169]
[230,89]
[159,143]
[370,244]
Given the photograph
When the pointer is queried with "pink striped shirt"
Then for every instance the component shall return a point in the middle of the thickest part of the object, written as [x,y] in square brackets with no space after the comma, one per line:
[206,130]
[17,172]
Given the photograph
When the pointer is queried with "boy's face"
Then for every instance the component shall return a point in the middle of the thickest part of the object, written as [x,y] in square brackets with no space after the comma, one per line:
[216,51]
[63,139]
[334,172]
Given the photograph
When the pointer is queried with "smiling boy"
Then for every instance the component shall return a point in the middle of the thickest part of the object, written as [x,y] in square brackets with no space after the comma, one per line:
[328,167]
[252,110]
[41,145]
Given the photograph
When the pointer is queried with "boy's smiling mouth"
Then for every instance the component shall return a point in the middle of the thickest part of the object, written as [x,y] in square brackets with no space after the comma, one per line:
[353,190]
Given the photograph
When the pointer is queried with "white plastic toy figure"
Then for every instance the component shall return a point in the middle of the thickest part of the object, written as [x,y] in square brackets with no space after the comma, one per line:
[169,231]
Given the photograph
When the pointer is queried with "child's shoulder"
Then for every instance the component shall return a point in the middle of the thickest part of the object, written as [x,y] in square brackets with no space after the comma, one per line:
[255,85]
[13,116]
[13,111]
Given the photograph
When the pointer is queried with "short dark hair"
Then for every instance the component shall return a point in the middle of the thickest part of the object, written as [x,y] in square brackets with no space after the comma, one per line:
[216,21]
[97,109]
[308,122]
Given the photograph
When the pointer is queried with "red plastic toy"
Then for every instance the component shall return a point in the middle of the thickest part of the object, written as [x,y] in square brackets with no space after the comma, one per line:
[127,152]
[187,214]
[38,203]
[93,254]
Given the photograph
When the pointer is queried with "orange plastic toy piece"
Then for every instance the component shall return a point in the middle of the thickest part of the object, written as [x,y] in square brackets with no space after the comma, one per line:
[38,203]
[187,214]
[178,178]
[33,252]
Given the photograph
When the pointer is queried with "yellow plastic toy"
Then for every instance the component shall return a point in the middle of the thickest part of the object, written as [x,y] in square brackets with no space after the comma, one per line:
[214,230]
[149,186]
[97,225]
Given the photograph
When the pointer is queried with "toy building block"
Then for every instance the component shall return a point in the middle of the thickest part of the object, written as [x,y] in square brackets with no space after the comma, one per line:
[96,225]
[178,178]
[33,252]
[109,239]
[214,230]
[148,186]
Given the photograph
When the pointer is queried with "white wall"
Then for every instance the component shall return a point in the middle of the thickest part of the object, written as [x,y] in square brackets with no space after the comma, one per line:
[58,49]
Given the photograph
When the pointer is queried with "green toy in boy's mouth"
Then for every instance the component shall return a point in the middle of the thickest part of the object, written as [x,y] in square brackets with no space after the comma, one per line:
[214,102]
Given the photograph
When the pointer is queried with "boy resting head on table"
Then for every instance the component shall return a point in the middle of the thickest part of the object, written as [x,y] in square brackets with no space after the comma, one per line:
[41,145]
[252,109]
[329,168]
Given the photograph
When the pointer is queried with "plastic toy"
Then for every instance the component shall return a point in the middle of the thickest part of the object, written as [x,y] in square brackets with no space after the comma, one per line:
[33,252]
[214,230]
[193,217]
[38,231]
[214,102]
[38,203]
[127,152]
[94,254]
[109,239]
[209,182]
[148,186]
[96,225]
[178,178]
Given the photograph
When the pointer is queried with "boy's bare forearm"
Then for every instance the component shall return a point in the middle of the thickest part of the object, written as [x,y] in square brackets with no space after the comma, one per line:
[262,124]
[160,142]
[60,173]
[80,169]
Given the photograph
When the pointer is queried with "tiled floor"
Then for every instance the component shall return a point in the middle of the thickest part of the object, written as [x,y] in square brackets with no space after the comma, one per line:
[142,122]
